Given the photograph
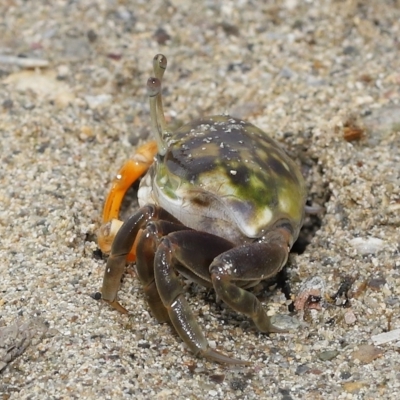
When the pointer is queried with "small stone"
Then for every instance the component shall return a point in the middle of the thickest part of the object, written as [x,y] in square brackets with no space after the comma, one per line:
[96,296]
[62,71]
[7,104]
[161,36]
[97,101]
[285,322]
[367,353]
[217,378]
[376,283]
[328,355]
[302,369]
[313,288]
[86,132]
[238,384]
[350,318]
[345,375]
[386,337]
[366,246]
[28,106]
[353,387]
[286,72]
[229,29]
[316,371]
[91,35]
[383,120]
[350,50]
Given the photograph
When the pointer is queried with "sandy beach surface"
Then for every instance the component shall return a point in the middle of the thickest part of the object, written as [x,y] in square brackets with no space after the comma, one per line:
[321,77]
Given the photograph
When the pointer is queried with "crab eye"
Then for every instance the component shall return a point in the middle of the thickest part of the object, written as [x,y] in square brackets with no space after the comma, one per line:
[160,63]
[153,86]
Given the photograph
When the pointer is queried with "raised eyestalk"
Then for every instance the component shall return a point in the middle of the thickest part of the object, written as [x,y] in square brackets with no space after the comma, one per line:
[158,123]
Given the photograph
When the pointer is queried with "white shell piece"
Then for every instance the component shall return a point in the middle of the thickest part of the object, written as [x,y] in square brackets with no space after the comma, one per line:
[386,337]
[370,245]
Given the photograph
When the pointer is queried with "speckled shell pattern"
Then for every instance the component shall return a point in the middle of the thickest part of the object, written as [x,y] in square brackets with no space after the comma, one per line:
[230,165]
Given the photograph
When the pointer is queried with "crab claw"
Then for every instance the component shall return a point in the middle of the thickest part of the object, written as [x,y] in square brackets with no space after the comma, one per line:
[106,234]
[127,175]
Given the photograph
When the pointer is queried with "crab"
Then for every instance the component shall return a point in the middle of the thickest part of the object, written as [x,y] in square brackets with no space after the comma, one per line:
[221,204]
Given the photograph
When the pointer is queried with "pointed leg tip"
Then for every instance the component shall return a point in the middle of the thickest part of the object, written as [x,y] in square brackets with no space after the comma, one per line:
[118,307]
[221,358]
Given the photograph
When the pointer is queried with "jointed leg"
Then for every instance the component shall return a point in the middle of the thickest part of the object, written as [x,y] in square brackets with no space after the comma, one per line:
[187,248]
[146,249]
[122,246]
[255,261]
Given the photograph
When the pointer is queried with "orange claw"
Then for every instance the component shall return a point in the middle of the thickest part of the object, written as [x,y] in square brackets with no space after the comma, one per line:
[106,234]
[127,175]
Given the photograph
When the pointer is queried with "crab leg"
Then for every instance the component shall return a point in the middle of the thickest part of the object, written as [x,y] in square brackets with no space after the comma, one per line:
[182,248]
[250,262]
[146,249]
[121,247]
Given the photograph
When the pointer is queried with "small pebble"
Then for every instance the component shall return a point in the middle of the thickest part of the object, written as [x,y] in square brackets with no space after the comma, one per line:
[386,337]
[354,387]
[345,375]
[92,35]
[349,317]
[97,101]
[302,369]
[311,288]
[7,104]
[217,378]
[97,296]
[366,246]
[376,283]
[328,355]
[367,353]
[63,71]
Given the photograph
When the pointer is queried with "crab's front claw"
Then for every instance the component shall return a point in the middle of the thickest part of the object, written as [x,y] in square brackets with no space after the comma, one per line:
[106,234]
[127,175]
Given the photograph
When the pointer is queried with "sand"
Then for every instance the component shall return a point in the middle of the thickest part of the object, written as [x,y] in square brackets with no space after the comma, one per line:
[322,78]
